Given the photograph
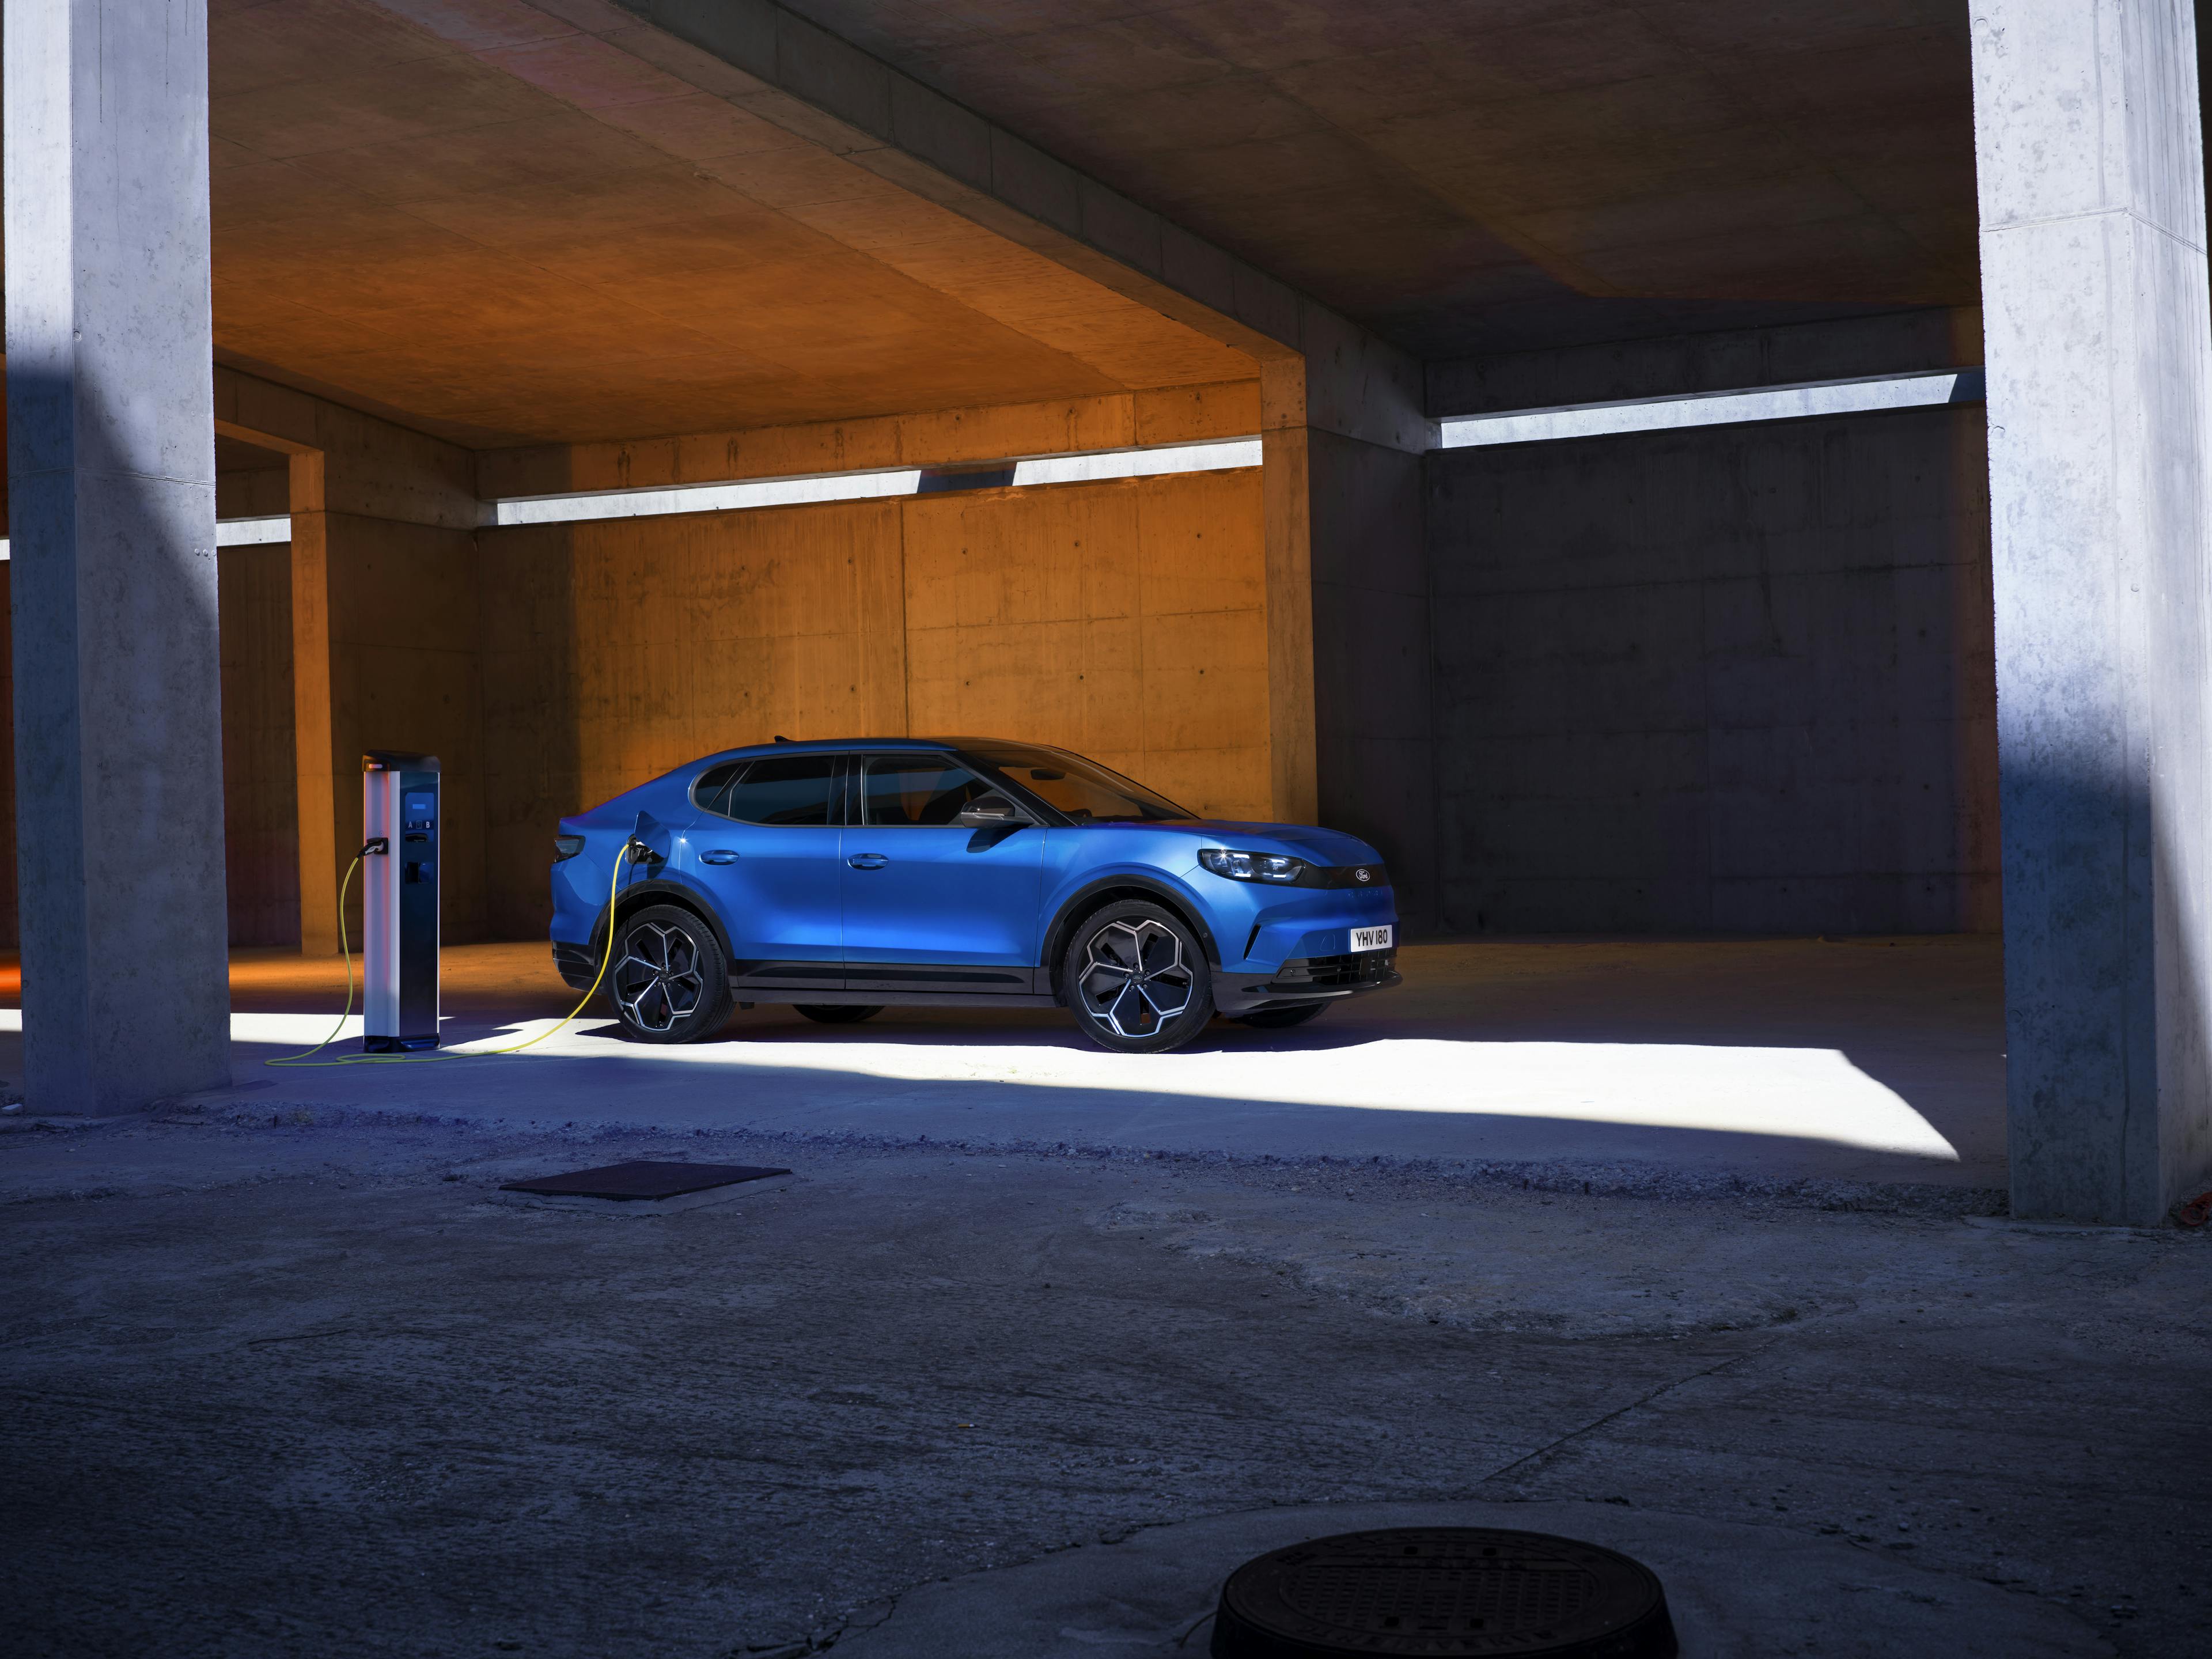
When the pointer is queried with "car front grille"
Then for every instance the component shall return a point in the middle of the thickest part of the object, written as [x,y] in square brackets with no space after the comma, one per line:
[1344,972]
[1371,878]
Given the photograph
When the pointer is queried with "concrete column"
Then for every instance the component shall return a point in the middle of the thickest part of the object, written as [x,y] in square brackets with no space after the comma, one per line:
[1342,437]
[2094,296]
[111,453]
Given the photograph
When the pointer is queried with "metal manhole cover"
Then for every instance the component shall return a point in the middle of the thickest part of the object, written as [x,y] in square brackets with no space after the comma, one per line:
[1443,1591]
[642,1179]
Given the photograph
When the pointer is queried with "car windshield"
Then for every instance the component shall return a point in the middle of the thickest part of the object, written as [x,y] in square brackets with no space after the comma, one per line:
[1086,792]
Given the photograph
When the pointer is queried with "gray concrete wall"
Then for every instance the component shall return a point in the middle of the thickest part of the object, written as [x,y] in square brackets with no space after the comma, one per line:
[1735,678]
[1370,656]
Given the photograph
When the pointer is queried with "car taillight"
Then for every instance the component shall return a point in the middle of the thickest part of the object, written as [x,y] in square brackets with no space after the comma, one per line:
[567,847]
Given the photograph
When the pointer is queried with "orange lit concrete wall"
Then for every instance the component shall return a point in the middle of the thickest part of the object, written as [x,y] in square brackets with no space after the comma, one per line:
[1125,618]
[261,866]
[260,796]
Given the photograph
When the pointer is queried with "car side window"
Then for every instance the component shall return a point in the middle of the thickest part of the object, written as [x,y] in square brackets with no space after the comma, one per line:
[799,789]
[916,789]
[710,790]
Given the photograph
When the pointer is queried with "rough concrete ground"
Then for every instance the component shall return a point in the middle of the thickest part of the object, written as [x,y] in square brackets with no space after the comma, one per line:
[1776,1060]
[293,1389]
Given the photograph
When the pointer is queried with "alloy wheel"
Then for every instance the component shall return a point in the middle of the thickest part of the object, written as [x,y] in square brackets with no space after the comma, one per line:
[657,982]
[1135,978]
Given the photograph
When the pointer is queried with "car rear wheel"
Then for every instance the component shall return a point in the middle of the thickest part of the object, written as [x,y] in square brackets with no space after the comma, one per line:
[1275,1019]
[669,982]
[1137,979]
[837,1013]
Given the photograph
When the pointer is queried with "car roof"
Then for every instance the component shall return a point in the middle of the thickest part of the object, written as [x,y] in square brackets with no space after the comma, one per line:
[839,745]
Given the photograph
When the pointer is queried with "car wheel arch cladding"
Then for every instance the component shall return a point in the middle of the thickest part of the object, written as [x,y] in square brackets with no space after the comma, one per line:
[638,897]
[1112,889]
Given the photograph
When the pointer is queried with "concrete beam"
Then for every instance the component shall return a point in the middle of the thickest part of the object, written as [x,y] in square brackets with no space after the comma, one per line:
[2094,287]
[118,760]
[1170,414]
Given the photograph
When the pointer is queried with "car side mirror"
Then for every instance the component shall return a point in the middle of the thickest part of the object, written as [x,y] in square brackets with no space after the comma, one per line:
[990,812]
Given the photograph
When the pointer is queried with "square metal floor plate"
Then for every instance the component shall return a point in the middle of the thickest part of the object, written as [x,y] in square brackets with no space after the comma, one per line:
[644,1184]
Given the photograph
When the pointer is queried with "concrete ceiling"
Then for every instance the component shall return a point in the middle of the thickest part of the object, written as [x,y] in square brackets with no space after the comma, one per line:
[501,232]
[1478,175]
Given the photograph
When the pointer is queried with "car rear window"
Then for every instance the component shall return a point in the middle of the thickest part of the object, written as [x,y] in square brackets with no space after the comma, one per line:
[794,790]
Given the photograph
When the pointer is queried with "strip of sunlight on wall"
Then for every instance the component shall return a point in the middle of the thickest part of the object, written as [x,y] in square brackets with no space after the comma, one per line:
[233,532]
[1715,409]
[708,498]
[1139,462]
[863,486]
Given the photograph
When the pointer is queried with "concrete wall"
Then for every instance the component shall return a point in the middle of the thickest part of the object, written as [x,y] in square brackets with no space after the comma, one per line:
[260,832]
[384,627]
[260,795]
[1126,619]
[1372,692]
[1735,679]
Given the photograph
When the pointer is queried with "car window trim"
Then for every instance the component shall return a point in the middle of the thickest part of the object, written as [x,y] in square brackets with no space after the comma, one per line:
[1045,812]
[857,816]
[744,763]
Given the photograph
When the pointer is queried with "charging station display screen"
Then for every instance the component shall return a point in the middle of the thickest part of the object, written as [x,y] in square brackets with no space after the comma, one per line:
[417,808]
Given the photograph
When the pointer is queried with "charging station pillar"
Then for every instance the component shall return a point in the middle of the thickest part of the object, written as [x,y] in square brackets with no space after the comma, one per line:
[400,901]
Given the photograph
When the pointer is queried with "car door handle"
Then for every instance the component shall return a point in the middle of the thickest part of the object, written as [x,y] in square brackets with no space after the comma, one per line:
[718,855]
[867,860]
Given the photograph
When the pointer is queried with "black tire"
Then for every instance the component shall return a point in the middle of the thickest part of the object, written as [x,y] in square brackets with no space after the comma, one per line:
[1136,979]
[668,981]
[837,1013]
[1277,1019]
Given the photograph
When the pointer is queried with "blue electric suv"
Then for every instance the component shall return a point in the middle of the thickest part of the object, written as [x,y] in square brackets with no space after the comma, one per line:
[845,878]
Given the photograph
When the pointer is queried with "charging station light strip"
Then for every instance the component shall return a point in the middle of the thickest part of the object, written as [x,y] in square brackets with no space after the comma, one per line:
[233,532]
[864,486]
[1715,409]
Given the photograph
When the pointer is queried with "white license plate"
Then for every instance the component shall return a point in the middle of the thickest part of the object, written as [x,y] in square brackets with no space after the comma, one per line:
[1370,938]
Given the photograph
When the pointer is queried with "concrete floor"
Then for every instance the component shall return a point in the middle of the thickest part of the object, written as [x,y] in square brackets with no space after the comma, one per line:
[312,1389]
[284,1374]
[1623,1063]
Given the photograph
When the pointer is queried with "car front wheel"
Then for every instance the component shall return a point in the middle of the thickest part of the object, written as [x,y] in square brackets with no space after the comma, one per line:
[1137,979]
[669,982]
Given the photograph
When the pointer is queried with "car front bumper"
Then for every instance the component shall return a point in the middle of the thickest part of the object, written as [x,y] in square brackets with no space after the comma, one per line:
[1306,980]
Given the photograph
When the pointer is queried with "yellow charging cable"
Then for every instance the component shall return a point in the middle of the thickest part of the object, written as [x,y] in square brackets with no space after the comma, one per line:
[305,1056]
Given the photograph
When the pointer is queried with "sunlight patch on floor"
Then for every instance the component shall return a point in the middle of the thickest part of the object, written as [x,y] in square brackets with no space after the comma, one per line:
[1812,1094]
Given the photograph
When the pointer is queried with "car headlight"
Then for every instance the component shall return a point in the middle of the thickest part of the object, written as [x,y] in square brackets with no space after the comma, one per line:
[566,848]
[1251,866]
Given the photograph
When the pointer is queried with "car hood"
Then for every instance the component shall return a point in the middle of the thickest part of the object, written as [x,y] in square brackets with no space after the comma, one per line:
[1325,846]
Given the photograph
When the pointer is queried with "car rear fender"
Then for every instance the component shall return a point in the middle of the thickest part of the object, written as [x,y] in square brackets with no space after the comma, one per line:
[637,895]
